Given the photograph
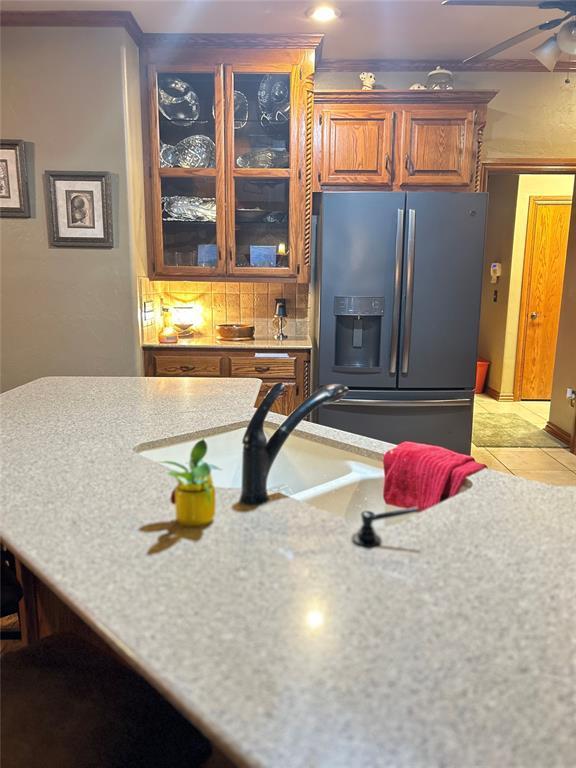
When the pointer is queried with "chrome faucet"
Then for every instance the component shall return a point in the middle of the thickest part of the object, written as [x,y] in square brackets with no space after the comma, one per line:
[259,453]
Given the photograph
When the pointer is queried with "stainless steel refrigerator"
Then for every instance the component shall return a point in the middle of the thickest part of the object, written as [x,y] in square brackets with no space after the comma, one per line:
[399,278]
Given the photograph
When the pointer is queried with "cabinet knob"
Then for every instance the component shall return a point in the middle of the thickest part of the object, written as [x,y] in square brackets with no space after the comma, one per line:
[409,165]
[262,368]
[187,367]
[533,315]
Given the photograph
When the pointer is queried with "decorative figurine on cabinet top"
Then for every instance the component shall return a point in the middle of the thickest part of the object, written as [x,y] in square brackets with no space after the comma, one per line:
[418,87]
[440,80]
[368,80]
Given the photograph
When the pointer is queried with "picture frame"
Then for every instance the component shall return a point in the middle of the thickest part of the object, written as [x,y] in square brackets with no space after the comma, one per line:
[14,194]
[79,207]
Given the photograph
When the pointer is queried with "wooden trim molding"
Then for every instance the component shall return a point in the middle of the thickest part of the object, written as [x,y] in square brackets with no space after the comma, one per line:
[385,96]
[74,19]
[425,65]
[501,397]
[224,40]
[558,433]
[525,165]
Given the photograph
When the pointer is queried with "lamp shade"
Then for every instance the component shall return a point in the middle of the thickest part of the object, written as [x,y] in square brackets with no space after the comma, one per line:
[566,38]
[547,53]
[280,310]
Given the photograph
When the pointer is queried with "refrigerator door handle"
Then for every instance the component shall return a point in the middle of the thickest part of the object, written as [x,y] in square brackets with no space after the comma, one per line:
[455,403]
[397,289]
[411,236]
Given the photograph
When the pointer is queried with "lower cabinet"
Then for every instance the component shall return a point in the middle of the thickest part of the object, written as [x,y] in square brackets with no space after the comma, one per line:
[292,369]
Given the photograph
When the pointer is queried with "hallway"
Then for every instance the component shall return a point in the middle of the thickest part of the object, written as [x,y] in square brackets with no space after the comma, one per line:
[552,465]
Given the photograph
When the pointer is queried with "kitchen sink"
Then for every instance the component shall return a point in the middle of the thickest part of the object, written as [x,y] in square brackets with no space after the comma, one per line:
[334,479]
[325,476]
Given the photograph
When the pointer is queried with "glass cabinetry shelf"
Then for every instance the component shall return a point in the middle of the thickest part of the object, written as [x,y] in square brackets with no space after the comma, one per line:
[227,164]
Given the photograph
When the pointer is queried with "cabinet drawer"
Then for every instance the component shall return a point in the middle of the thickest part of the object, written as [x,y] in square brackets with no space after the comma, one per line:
[263,368]
[187,365]
[287,401]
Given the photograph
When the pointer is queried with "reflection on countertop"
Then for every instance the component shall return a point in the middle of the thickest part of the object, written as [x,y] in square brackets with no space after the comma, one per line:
[263,342]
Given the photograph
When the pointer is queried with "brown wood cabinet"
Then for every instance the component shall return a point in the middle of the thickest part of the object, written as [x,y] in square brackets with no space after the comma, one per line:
[399,139]
[229,156]
[293,369]
[357,145]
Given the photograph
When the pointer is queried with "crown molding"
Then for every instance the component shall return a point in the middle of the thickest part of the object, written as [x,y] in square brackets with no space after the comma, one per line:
[384,96]
[122,19]
[158,40]
[425,65]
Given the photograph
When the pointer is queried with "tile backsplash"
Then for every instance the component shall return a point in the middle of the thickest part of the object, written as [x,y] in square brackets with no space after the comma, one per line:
[224,302]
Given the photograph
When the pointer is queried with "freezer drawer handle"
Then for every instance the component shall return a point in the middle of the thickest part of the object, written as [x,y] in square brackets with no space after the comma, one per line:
[397,290]
[456,403]
[409,290]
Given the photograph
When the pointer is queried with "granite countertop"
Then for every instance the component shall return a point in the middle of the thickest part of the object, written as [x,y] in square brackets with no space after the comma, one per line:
[451,645]
[265,342]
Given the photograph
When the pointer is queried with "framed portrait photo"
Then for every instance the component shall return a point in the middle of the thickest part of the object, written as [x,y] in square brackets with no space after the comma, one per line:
[79,209]
[14,200]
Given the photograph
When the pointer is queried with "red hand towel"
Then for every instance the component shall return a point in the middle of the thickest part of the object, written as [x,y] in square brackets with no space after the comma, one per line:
[418,475]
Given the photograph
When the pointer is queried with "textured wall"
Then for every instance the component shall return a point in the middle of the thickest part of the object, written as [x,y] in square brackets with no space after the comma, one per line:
[65,311]
[561,413]
[503,191]
[533,115]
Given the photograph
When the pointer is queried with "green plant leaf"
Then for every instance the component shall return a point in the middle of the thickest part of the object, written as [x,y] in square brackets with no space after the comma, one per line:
[198,452]
[183,467]
[200,473]
[178,474]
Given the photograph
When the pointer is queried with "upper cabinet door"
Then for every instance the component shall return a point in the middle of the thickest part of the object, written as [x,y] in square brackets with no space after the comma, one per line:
[357,145]
[262,137]
[187,171]
[437,147]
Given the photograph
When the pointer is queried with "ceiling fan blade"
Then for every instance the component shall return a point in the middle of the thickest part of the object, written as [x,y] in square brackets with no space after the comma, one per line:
[511,41]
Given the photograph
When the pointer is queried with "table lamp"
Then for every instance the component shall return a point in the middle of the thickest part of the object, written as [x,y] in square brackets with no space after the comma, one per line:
[280,313]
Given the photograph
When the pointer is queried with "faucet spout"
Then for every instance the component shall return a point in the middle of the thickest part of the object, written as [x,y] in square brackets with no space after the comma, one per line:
[326,394]
[258,454]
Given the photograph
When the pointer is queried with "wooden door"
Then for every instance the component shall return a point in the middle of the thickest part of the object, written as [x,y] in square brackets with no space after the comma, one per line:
[543,276]
[357,145]
[437,147]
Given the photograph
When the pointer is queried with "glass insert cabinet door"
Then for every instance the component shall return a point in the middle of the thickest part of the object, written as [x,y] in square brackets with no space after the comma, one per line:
[261,166]
[224,171]
[187,158]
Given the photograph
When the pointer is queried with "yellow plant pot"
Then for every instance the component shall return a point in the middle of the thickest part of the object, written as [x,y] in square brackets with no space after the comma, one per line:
[194,503]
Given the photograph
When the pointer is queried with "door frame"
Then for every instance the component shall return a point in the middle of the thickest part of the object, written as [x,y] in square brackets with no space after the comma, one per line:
[534,200]
[548,165]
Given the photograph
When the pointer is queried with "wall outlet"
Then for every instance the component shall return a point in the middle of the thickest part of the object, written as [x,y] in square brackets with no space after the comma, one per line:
[571,395]
[147,313]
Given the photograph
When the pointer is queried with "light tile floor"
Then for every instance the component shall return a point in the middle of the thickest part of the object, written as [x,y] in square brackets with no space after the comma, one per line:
[556,466]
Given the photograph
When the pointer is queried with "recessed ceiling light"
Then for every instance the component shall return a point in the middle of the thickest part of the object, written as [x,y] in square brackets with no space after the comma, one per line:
[323,13]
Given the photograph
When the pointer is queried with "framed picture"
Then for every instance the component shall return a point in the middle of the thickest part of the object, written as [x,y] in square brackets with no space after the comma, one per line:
[79,209]
[14,200]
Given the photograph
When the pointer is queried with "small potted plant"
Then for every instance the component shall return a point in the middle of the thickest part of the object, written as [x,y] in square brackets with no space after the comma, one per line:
[194,494]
